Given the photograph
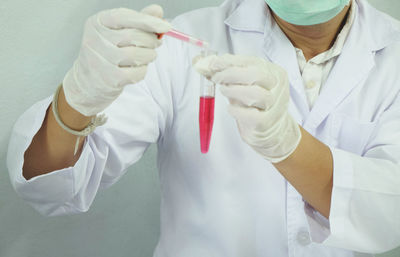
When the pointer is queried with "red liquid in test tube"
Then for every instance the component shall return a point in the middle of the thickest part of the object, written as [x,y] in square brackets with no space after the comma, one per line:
[206,120]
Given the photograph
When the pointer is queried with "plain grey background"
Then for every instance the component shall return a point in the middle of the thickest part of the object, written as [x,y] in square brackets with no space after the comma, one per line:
[38,42]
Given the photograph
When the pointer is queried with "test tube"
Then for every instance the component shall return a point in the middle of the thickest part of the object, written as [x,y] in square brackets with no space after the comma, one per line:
[206,110]
[207,91]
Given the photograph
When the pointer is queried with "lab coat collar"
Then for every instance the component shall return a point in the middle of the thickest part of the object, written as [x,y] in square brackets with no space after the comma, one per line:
[368,34]
[380,33]
[250,15]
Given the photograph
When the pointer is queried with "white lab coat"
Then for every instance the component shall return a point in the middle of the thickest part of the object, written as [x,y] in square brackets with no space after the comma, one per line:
[231,202]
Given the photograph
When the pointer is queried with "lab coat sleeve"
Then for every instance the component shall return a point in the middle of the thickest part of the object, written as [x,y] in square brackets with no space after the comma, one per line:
[365,203]
[139,117]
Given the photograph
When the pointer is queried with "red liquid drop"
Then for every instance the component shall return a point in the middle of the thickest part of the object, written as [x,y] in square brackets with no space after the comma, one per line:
[206,119]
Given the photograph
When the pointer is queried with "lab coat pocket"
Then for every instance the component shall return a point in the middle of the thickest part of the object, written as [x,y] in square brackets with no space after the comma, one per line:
[350,134]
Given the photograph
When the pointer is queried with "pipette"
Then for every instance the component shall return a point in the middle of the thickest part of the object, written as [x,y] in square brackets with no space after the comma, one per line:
[186,38]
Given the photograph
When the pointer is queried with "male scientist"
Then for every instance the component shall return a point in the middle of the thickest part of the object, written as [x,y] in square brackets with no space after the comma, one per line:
[305,152]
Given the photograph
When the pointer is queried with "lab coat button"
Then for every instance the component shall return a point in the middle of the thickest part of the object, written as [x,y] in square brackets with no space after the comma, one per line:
[311,84]
[303,238]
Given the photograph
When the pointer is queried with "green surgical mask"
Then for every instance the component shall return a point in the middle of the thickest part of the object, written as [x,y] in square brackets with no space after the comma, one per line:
[307,12]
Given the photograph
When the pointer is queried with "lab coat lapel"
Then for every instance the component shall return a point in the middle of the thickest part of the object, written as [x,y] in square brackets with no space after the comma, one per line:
[254,32]
[279,50]
[246,25]
[351,68]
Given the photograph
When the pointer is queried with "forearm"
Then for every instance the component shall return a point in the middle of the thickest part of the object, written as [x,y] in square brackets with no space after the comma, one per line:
[310,170]
[52,148]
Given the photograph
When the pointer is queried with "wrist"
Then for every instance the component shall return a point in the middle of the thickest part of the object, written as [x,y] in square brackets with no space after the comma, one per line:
[69,116]
[94,121]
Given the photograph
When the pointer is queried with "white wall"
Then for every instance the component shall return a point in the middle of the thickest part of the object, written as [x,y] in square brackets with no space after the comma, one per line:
[38,42]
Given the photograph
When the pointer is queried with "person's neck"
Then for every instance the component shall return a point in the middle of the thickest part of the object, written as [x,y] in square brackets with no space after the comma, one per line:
[314,39]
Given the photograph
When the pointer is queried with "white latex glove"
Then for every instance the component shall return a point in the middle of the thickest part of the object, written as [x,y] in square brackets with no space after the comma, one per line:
[258,92]
[117,45]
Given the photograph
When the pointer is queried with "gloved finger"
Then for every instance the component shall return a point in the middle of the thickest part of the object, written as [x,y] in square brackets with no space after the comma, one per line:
[126,37]
[130,56]
[132,75]
[250,117]
[115,76]
[118,78]
[228,60]
[130,37]
[123,18]
[153,10]
[252,75]
[202,65]
[248,96]
[125,56]
[134,56]
[134,37]
[271,71]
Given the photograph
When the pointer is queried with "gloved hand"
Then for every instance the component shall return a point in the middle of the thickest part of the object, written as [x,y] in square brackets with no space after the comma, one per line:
[116,48]
[258,92]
